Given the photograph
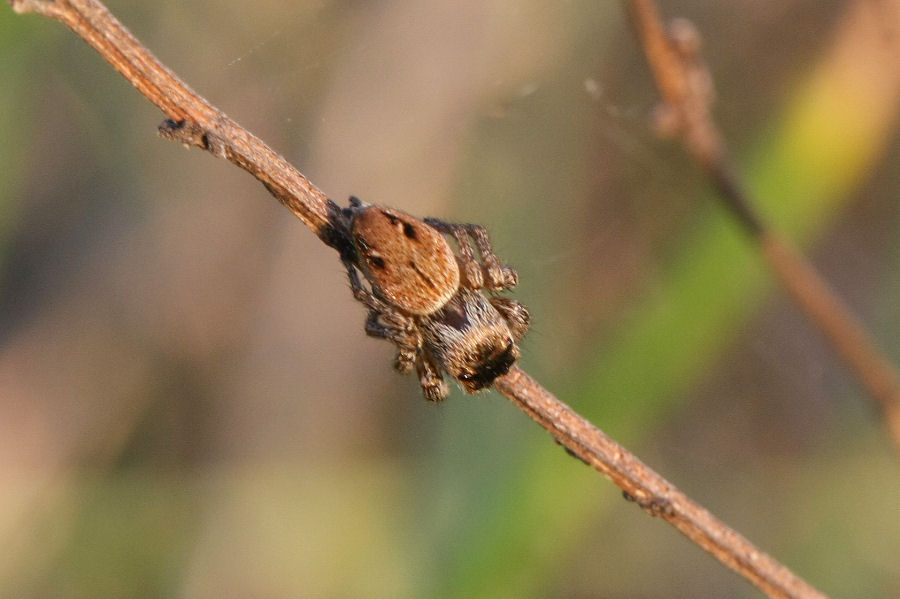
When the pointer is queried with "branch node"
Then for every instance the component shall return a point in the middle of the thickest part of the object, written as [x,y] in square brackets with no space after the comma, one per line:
[572,452]
[655,506]
[685,38]
[187,133]
[191,133]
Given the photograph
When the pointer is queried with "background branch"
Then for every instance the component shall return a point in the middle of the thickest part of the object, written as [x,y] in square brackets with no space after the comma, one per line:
[686,87]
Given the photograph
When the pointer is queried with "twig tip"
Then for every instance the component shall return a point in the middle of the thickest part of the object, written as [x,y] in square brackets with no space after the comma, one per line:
[41,7]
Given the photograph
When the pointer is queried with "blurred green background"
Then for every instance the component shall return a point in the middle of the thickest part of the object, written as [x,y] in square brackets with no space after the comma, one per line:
[189,406]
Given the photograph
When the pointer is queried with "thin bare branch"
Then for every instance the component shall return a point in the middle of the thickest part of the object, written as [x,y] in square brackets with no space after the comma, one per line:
[685,85]
[194,122]
[649,490]
[191,119]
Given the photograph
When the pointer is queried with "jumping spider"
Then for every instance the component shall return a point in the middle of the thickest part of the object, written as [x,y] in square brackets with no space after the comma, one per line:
[429,302]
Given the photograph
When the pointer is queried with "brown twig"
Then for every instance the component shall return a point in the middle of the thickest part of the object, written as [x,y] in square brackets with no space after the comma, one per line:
[191,119]
[649,490]
[195,122]
[685,85]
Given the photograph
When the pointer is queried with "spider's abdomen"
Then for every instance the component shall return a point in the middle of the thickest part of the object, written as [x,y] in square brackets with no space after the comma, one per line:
[408,262]
[471,340]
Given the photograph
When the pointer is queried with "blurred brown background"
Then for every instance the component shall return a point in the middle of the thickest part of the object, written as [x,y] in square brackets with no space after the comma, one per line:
[189,406]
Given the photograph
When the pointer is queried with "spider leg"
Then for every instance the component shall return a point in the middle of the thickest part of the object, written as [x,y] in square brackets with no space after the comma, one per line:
[433,385]
[515,314]
[406,340]
[360,293]
[496,276]
[385,322]
[471,269]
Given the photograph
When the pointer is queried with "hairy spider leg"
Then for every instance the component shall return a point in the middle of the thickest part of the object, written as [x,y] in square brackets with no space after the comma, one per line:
[471,269]
[385,322]
[433,385]
[496,277]
[515,314]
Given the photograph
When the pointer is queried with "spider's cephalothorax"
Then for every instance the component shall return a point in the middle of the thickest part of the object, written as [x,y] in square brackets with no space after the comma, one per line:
[428,301]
